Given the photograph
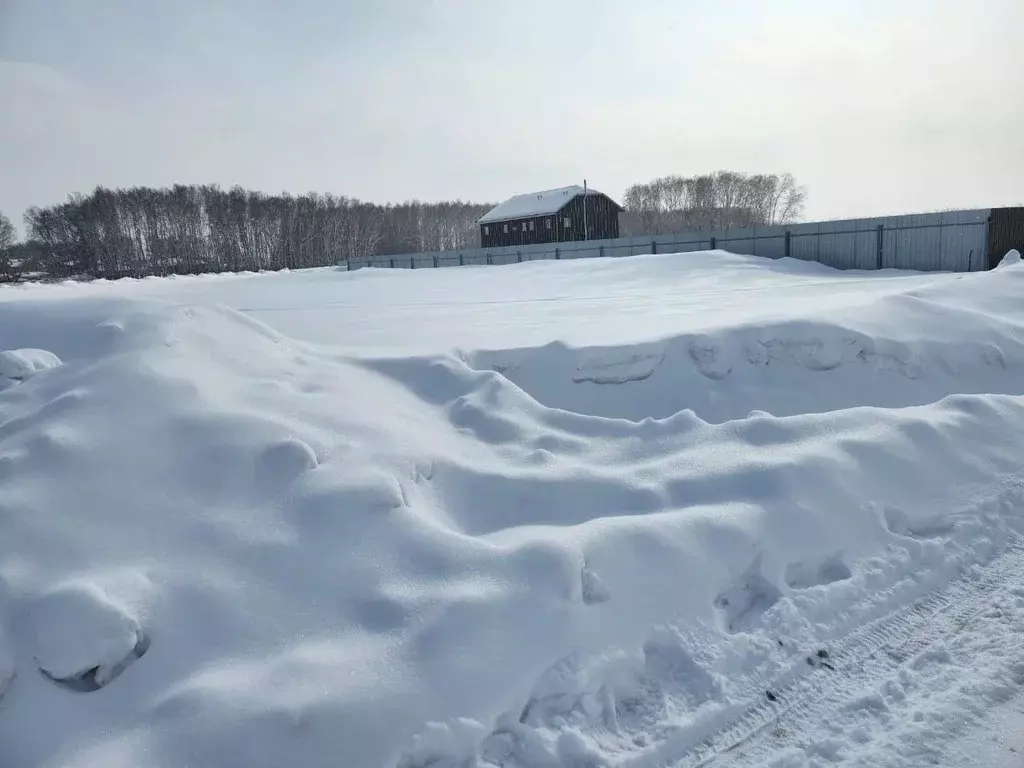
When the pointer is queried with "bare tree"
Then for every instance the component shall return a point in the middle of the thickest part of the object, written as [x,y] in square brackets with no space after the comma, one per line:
[789,200]
[7,237]
[6,246]
[712,201]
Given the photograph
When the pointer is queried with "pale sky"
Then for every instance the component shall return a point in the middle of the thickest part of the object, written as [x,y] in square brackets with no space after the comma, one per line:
[877,107]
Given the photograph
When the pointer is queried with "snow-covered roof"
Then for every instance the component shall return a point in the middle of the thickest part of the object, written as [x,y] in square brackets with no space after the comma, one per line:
[534,204]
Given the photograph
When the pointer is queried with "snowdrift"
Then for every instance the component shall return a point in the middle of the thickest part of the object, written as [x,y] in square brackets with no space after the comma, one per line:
[221,545]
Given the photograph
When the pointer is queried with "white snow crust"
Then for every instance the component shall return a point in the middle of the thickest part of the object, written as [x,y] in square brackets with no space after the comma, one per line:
[526,516]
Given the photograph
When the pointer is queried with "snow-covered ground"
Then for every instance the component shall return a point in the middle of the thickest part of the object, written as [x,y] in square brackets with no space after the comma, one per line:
[657,511]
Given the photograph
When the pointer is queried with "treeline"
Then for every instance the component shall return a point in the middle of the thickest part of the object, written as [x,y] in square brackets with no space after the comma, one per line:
[713,201]
[195,229]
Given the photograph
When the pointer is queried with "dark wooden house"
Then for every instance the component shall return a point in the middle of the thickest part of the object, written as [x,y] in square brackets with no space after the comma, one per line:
[552,216]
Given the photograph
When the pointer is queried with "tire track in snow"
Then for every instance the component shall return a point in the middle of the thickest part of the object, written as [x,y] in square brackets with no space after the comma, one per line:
[859,662]
[588,730]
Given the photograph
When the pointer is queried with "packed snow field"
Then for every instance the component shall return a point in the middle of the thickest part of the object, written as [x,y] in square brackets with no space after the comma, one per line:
[668,510]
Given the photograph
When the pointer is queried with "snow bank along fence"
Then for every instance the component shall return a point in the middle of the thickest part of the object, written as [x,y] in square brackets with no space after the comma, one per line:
[952,241]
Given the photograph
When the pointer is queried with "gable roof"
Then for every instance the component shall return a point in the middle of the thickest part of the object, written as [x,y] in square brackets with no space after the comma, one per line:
[534,204]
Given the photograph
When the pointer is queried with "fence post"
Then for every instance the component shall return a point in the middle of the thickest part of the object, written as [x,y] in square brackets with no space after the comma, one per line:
[654,246]
[461,262]
[879,245]
[392,262]
[788,237]
[600,251]
[557,254]
[519,257]
[714,242]
[488,259]
[412,262]
[435,262]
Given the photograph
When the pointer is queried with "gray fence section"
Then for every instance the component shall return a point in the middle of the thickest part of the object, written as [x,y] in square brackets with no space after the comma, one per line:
[953,241]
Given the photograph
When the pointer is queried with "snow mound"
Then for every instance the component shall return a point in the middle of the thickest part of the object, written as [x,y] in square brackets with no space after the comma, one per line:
[81,639]
[268,552]
[900,350]
[19,364]
[1011,258]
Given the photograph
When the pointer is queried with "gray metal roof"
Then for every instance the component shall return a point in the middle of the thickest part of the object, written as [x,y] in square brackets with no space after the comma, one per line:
[534,204]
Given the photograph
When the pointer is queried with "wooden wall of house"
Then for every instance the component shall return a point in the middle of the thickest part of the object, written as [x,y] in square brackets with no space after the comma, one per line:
[1005,232]
[602,218]
[528,231]
[564,226]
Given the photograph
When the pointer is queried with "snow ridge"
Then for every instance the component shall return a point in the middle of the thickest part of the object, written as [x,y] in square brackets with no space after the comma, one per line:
[588,542]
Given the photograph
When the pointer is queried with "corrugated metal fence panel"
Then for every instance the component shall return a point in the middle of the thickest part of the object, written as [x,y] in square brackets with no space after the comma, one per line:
[667,243]
[890,243]
[714,236]
[639,246]
[763,237]
[681,242]
[739,240]
[550,252]
[539,252]
[928,244]
[505,256]
[544,252]
[865,254]
[954,242]
[950,241]
[448,259]
[617,248]
[972,254]
[691,246]
[904,242]
[771,242]
[837,244]
[536,254]
[606,248]
[803,241]
[921,242]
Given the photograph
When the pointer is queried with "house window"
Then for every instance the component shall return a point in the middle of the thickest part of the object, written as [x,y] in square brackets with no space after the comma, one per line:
[524,226]
[487,230]
[506,229]
[548,222]
[568,222]
[531,226]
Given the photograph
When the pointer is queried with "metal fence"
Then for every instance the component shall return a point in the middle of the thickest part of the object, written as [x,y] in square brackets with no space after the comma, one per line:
[952,241]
